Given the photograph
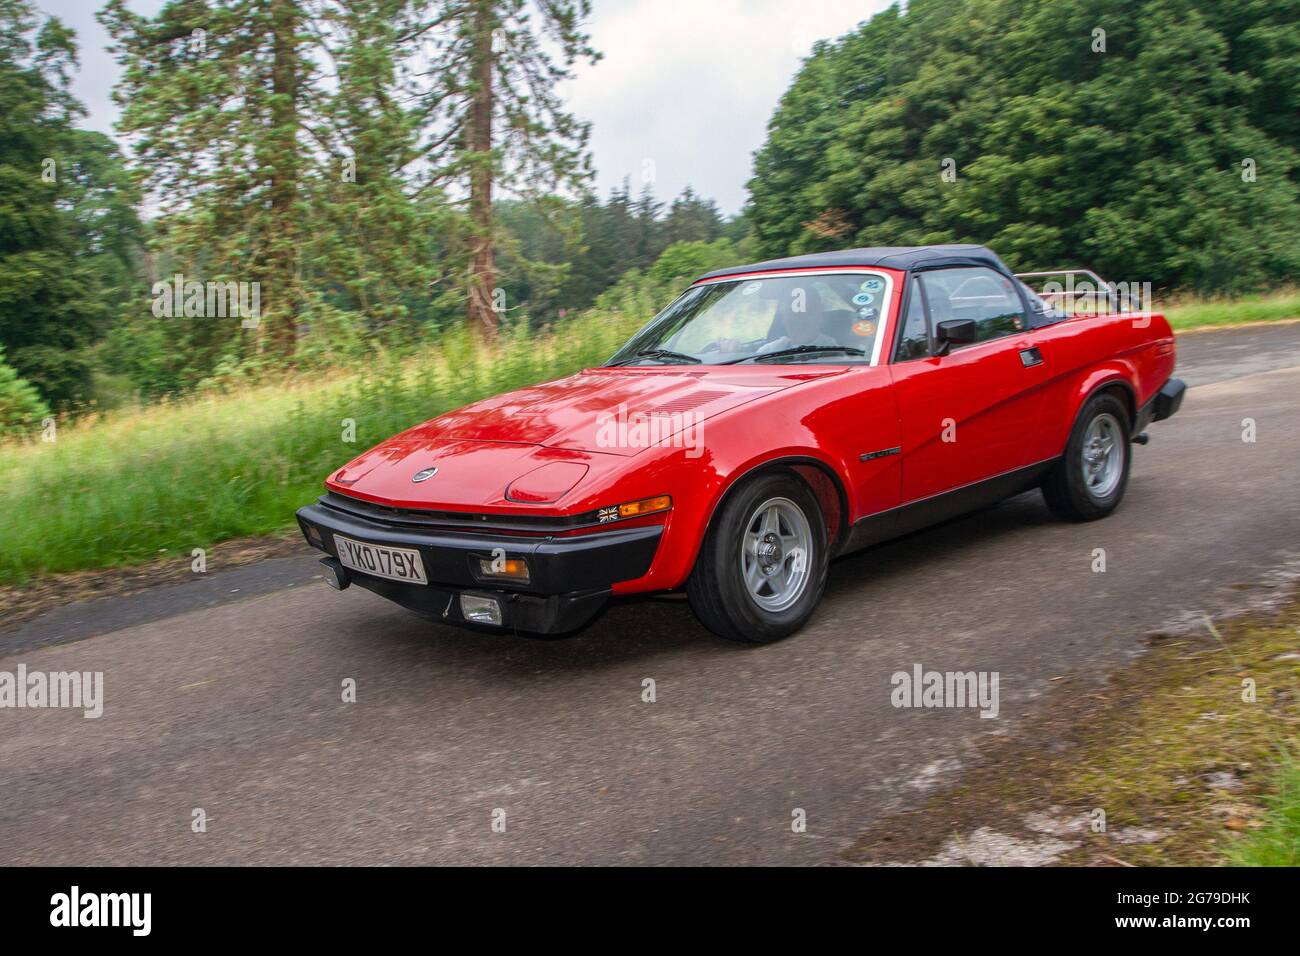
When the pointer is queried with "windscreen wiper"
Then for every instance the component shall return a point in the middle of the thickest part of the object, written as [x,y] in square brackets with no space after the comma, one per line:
[663,354]
[798,350]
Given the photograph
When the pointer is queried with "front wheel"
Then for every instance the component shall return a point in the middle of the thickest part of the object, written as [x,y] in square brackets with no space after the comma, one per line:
[1089,480]
[763,565]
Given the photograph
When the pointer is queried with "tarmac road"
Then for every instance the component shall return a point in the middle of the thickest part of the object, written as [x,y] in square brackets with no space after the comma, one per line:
[231,702]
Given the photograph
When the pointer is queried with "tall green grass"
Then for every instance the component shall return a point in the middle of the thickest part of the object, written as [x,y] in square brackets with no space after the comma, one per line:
[1200,313]
[158,481]
[1277,843]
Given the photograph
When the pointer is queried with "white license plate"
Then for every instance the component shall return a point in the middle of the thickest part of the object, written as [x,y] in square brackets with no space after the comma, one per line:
[397,564]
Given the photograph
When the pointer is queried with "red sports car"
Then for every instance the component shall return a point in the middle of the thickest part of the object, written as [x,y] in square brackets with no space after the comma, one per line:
[775,416]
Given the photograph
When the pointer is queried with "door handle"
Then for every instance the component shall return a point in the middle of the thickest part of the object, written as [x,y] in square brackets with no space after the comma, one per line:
[1030,357]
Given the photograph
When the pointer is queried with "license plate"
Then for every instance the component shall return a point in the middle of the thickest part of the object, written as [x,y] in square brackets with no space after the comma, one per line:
[397,564]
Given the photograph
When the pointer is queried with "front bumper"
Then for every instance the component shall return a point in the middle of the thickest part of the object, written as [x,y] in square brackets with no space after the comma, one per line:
[569,577]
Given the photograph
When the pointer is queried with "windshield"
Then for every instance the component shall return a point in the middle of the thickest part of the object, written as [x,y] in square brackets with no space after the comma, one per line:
[828,318]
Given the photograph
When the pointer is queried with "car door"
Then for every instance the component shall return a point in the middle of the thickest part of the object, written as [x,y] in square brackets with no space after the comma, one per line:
[965,416]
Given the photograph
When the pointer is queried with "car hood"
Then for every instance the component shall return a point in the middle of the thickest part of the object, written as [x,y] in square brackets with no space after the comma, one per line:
[584,412]
[481,449]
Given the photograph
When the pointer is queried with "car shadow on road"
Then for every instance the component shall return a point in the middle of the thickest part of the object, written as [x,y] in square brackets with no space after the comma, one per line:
[644,628]
[895,563]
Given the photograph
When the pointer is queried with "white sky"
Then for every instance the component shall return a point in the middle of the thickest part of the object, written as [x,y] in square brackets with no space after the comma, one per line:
[685,89]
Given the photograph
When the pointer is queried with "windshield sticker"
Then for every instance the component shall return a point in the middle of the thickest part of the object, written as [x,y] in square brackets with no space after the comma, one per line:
[866,313]
[872,285]
[864,328]
[863,298]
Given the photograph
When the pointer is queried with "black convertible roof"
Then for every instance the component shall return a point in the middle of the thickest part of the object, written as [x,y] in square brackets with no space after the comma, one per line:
[889,257]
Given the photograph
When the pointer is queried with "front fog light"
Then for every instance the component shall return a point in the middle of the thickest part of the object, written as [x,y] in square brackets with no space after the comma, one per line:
[503,569]
[480,610]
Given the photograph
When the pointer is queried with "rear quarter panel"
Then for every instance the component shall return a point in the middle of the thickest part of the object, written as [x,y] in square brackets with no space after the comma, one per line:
[1086,353]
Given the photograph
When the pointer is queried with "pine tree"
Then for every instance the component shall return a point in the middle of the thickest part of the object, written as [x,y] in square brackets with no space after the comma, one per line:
[492,117]
[692,219]
[384,240]
[214,98]
[275,139]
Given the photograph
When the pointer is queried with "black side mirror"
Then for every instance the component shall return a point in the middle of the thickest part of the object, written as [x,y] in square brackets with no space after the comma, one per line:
[953,332]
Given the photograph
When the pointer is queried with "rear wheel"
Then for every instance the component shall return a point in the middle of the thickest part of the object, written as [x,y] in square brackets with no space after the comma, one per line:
[762,567]
[1089,480]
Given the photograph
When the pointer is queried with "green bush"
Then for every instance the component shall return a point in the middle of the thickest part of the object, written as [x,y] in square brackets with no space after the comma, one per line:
[689,260]
[21,407]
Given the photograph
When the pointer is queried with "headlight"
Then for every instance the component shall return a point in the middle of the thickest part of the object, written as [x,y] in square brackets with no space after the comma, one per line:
[547,483]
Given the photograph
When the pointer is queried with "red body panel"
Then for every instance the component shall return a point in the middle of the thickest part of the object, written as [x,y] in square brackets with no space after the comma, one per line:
[1003,413]
[999,414]
[568,413]
[1085,353]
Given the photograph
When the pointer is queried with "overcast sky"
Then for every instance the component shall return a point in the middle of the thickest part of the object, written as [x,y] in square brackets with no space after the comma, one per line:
[685,89]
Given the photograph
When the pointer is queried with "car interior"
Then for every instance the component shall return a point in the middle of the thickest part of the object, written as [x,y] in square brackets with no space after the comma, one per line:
[837,318]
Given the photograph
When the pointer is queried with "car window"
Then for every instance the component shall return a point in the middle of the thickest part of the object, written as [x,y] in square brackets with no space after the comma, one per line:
[987,297]
[736,317]
[1041,311]
[824,318]
[915,340]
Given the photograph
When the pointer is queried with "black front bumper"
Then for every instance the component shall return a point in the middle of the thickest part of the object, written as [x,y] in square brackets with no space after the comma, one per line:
[569,577]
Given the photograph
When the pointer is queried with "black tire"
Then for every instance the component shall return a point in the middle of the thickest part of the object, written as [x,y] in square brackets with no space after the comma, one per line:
[717,590]
[1068,494]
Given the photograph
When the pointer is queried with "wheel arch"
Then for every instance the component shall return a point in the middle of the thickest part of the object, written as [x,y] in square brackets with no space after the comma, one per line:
[821,478]
[1110,380]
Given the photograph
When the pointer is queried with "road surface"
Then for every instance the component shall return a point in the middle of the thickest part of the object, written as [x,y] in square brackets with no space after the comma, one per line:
[225,695]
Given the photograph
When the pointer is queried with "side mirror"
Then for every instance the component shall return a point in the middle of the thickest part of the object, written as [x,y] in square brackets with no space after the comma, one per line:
[953,332]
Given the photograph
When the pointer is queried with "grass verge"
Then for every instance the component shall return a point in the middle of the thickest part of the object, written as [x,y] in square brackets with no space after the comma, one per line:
[1185,770]
[1202,313]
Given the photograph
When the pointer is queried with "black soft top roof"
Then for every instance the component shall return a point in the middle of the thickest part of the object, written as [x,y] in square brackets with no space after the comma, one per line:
[889,257]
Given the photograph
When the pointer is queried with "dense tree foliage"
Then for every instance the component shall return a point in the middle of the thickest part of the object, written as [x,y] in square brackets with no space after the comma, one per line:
[319,152]
[380,167]
[67,219]
[490,115]
[269,136]
[1155,140]
[566,259]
